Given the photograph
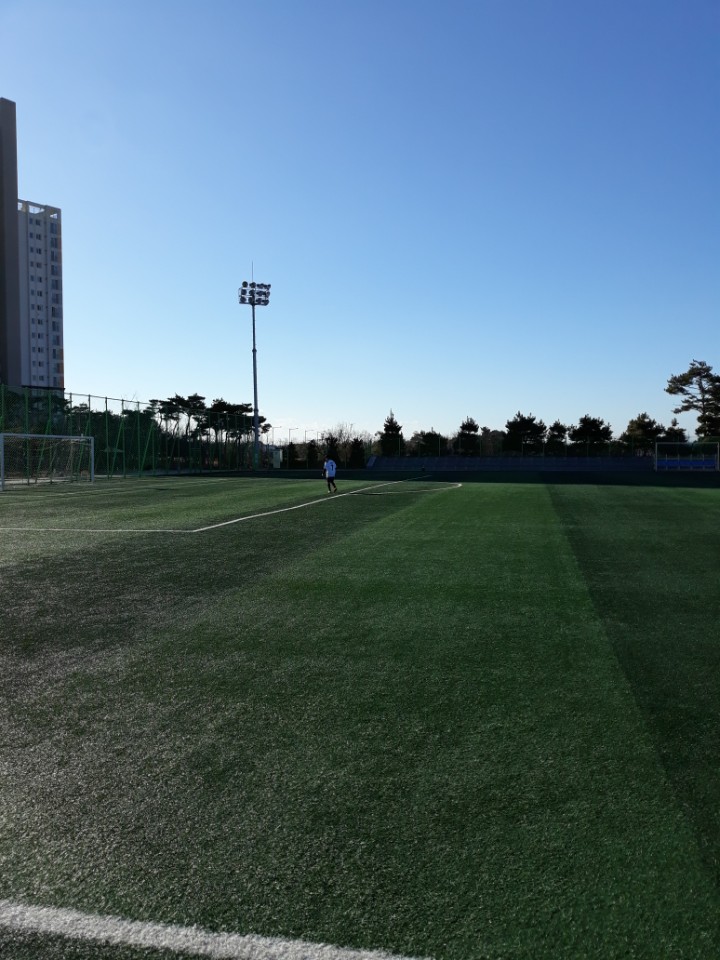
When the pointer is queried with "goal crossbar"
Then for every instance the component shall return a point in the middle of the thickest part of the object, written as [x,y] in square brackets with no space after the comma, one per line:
[27,458]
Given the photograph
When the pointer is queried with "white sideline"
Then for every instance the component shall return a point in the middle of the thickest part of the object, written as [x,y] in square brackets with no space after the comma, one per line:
[213,526]
[269,513]
[192,941]
[299,506]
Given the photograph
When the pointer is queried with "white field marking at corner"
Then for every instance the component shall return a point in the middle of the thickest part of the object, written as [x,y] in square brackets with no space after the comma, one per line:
[192,941]
[214,526]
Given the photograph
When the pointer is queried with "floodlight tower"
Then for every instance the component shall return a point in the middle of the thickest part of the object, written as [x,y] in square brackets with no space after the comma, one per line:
[257,295]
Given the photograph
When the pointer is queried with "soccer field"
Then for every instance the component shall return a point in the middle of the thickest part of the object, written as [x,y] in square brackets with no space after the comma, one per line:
[246,718]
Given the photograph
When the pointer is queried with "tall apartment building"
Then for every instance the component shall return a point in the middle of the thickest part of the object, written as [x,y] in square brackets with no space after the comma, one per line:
[9,264]
[41,310]
[31,302]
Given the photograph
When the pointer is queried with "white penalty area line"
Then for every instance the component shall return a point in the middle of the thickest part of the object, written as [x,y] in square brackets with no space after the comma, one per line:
[190,941]
[301,506]
[214,526]
[270,513]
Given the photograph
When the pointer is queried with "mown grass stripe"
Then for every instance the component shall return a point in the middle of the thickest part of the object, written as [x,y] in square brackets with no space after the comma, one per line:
[650,560]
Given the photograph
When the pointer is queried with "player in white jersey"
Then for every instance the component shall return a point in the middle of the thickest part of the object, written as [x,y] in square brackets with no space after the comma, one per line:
[329,471]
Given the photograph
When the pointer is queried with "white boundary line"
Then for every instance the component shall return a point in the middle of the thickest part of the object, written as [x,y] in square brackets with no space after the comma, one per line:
[215,526]
[193,941]
[270,513]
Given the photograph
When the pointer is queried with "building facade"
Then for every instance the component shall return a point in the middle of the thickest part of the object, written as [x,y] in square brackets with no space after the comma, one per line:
[9,264]
[31,300]
[41,301]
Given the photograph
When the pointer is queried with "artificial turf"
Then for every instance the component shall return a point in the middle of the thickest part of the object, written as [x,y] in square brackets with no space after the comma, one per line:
[457,722]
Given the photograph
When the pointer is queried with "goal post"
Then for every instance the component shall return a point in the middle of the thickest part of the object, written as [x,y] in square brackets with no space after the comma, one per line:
[30,458]
[695,457]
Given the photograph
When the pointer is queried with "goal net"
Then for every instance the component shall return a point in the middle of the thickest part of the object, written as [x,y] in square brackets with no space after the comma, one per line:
[27,458]
[687,456]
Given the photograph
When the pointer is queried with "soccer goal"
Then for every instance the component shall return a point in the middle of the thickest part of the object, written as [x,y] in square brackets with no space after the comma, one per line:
[700,456]
[28,458]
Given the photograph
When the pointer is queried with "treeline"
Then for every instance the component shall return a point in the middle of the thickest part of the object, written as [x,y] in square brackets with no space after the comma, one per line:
[697,390]
[525,433]
[186,432]
[192,415]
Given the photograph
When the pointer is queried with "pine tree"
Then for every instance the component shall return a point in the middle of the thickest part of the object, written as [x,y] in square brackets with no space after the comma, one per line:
[699,388]
[392,443]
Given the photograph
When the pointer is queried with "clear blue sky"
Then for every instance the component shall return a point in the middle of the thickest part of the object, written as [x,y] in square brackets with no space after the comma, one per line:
[465,208]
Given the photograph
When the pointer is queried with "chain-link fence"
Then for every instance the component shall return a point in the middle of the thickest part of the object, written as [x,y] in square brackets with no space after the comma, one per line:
[132,437]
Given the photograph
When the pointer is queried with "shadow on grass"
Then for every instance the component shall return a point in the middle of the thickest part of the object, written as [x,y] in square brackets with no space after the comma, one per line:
[650,564]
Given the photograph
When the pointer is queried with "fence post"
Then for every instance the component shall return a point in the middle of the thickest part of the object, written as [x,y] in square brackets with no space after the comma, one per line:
[107,438]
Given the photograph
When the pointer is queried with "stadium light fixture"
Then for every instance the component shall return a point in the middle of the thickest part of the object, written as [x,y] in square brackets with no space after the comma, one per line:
[254,295]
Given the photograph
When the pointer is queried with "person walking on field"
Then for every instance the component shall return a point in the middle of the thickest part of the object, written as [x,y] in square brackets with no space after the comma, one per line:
[329,471]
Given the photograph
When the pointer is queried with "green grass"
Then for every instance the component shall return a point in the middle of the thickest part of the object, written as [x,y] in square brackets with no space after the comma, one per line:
[467,723]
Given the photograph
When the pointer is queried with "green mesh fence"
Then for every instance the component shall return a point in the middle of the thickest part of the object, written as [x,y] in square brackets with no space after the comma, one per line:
[160,436]
[135,438]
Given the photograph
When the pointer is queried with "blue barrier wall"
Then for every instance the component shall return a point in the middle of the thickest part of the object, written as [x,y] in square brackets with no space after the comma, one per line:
[513,464]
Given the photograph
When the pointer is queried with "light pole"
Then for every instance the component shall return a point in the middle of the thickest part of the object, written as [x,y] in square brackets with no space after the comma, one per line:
[291,431]
[257,295]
